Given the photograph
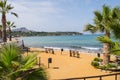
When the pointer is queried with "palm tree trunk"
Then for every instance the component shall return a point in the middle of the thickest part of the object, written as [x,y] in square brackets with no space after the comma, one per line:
[0,34]
[106,55]
[10,38]
[106,50]
[4,27]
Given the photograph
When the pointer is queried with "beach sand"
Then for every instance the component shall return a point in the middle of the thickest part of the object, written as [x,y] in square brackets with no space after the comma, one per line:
[63,66]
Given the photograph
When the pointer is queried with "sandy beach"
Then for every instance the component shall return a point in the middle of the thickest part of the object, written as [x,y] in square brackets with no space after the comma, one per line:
[63,66]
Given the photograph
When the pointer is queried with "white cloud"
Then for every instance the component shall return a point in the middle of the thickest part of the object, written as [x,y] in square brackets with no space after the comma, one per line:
[33,13]
[39,6]
[50,15]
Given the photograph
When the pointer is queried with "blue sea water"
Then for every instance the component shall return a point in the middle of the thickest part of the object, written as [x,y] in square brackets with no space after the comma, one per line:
[79,42]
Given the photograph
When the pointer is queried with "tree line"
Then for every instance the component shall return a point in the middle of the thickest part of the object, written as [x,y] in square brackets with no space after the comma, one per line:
[30,33]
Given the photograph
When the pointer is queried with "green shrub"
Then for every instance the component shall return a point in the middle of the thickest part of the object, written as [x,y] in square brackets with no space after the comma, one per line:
[14,65]
[103,67]
[111,65]
[95,64]
[98,59]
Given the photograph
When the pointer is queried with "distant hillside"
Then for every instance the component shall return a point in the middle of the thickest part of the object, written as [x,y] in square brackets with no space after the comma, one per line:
[22,29]
[25,32]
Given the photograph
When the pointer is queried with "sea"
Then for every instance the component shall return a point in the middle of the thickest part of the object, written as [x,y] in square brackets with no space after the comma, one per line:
[86,42]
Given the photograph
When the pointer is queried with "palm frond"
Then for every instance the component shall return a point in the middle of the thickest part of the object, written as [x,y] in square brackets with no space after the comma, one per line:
[1,5]
[115,52]
[36,74]
[4,3]
[9,53]
[28,61]
[104,39]
[90,28]
[115,26]
[114,12]
[98,16]
[15,14]
[10,24]
[106,12]
[8,8]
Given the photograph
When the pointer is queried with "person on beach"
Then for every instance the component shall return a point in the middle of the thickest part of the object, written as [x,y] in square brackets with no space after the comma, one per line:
[98,55]
[70,53]
[46,50]
[61,50]
[78,55]
[23,44]
[52,51]
[73,53]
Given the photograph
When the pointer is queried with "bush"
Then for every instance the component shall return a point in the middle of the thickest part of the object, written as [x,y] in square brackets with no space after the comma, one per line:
[95,64]
[103,67]
[111,65]
[98,59]
[14,65]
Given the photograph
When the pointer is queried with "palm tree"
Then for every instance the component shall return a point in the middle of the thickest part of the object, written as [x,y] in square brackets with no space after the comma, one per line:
[9,25]
[102,22]
[14,65]
[4,9]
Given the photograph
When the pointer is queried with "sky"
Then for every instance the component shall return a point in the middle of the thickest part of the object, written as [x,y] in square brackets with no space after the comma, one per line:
[56,15]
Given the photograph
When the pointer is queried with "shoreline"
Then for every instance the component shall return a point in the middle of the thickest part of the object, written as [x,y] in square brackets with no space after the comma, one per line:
[64,49]
[83,50]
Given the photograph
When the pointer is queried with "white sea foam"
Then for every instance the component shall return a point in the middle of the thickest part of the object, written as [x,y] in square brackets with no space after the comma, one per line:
[91,48]
[52,47]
